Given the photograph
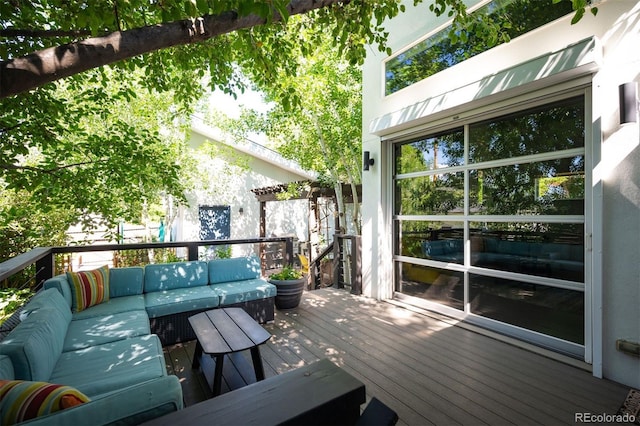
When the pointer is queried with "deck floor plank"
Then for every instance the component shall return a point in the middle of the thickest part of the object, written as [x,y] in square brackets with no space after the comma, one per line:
[463,386]
[426,369]
[511,365]
[423,378]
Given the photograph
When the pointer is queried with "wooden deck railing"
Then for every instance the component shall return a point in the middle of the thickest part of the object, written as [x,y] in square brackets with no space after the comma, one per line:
[345,256]
[44,257]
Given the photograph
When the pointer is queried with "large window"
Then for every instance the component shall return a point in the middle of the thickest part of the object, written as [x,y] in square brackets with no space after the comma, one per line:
[440,51]
[489,218]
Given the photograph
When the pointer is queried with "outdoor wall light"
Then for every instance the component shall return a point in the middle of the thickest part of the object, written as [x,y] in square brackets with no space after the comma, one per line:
[367,160]
[628,93]
[240,210]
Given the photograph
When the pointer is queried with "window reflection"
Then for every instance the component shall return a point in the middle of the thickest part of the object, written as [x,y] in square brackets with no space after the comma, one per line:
[549,128]
[542,249]
[552,311]
[434,152]
[436,194]
[439,285]
[439,241]
[441,51]
[550,188]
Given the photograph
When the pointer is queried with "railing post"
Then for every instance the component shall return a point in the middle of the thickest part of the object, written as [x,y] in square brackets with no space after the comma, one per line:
[192,251]
[45,268]
[288,251]
[313,274]
[337,261]
[356,264]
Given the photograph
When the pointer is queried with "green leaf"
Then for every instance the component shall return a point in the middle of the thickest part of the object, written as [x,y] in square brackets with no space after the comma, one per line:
[578,16]
[281,7]
[203,7]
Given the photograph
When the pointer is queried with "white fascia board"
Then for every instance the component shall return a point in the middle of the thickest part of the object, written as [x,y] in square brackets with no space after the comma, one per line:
[251,148]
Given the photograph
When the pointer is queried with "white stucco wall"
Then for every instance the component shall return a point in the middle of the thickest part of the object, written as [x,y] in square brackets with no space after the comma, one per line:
[611,57]
[224,183]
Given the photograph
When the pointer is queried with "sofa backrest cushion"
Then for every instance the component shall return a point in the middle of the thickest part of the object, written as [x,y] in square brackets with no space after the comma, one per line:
[6,368]
[234,269]
[126,281]
[49,298]
[169,276]
[122,282]
[35,345]
[60,283]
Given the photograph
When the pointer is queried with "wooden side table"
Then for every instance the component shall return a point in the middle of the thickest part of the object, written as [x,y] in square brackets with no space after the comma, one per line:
[224,331]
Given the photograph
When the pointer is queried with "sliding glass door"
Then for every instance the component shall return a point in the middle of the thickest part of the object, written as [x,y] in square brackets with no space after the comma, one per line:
[489,220]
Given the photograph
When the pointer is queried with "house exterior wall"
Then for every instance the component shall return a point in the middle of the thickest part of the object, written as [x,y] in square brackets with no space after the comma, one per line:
[600,52]
[227,179]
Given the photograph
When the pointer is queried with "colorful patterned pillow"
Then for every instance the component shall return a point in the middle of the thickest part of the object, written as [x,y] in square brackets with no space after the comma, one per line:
[22,400]
[88,288]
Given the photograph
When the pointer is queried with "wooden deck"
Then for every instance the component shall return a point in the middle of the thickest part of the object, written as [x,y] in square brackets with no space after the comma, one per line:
[428,370]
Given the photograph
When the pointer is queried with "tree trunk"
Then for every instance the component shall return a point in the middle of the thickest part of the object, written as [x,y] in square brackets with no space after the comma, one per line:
[22,74]
[357,223]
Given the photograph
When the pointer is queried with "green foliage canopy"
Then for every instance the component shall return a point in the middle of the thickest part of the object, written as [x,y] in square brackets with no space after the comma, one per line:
[84,151]
[82,146]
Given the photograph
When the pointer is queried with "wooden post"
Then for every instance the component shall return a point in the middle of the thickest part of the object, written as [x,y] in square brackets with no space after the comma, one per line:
[263,231]
[337,264]
[192,251]
[288,251]
[313,269]
[356,264]
[45,269]
[263,219]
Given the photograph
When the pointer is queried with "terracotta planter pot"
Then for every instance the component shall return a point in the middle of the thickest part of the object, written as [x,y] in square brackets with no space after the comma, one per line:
[289,292]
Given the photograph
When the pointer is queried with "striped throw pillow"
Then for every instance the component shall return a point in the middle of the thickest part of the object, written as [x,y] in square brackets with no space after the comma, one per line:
[88,288]
[23,400]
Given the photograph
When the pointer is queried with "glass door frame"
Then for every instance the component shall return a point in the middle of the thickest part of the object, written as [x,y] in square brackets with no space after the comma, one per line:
[591,281]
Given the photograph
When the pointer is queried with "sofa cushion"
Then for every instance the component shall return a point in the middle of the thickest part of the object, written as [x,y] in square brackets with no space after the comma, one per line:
[36,343]
[50,298]
[433,248]
[6,368]
[60,283]
[111,366]
[169,276]
[23,400]
[113,306]
[126,281]
[242,291]
[88,288]
[86,332]
[161,303]
[234,269]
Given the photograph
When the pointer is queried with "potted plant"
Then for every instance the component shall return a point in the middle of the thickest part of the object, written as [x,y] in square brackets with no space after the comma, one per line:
[290,284]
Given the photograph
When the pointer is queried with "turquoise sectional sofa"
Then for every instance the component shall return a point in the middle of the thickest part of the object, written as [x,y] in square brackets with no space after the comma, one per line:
[172,292]
[111,352]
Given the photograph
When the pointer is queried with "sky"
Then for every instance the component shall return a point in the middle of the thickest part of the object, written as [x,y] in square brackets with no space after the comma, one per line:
[227,104]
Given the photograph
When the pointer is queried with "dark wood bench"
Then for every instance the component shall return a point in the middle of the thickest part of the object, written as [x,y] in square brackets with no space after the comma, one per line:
[317,394]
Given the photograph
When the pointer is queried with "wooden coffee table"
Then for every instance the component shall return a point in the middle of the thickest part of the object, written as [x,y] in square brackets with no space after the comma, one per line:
[224,331]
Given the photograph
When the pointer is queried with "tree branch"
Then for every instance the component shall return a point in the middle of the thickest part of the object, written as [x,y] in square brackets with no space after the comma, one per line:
[19,75]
